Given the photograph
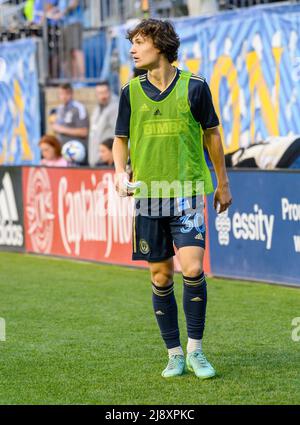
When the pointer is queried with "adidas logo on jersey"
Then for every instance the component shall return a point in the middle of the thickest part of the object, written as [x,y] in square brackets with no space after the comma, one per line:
[199,236]
[157,112]
[144,108]
[159,313]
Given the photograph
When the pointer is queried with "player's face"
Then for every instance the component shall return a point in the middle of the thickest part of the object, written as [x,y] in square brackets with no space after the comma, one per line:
[145,55]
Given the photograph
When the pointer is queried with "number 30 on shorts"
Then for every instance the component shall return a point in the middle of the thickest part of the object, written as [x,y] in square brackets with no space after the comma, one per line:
[192,222]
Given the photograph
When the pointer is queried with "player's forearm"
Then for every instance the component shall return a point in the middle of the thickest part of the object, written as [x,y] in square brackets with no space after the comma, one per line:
[79,132]
[120,153]
[213,143]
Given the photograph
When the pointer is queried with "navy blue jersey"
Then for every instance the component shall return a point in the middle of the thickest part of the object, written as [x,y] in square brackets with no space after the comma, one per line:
[200,100]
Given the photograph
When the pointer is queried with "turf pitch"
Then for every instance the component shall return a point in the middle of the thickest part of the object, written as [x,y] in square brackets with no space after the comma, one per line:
[81,333]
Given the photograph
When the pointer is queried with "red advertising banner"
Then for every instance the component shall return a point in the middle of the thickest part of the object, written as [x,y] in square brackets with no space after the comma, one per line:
[77,213]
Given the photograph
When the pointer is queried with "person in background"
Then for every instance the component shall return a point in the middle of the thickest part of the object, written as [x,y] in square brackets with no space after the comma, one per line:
[103,119]
[105,154]
[51,152]
[40,10]
[72,120]
[28,10]
[71,16]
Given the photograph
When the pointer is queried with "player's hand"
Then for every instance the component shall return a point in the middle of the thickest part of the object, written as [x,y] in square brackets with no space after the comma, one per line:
[222,198]
[120,179]
[123,186]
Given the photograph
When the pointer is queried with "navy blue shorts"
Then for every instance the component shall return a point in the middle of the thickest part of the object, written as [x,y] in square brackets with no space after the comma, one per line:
[153,237]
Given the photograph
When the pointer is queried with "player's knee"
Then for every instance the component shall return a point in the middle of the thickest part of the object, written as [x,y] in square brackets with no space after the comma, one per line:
[192,271]
[161,279]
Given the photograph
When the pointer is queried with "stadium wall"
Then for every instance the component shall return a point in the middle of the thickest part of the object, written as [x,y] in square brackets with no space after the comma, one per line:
[63,212]
[259,236]
[250,58]
[12,237]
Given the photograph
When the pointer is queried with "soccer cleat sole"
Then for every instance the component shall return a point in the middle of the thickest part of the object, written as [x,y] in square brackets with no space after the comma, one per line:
[173,376]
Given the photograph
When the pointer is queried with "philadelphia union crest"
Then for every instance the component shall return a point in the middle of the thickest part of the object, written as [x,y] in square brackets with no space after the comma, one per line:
[144,246]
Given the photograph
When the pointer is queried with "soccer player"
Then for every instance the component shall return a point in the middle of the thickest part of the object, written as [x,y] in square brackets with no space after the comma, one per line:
[165,114]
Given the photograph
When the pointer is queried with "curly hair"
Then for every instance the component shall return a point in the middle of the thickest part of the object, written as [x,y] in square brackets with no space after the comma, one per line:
[163,35]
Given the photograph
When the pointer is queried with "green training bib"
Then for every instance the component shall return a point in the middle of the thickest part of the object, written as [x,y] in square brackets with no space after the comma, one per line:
[166,144]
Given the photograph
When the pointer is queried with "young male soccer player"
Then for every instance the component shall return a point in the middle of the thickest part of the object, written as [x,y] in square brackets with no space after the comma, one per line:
[164,114]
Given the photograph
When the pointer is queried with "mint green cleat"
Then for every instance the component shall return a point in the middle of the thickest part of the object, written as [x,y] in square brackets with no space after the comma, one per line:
[196,362]
[175,366]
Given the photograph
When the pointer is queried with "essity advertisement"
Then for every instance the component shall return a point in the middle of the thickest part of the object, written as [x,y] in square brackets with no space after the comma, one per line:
[76,213]
[259,236]
[11,209]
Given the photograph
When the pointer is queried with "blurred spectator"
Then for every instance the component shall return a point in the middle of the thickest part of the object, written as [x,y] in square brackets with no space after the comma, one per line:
[72,120]
[71,15]
[55,42]
[103,119]
[28,10]
[105,154]
[35,11]
[39,9]
[51,152]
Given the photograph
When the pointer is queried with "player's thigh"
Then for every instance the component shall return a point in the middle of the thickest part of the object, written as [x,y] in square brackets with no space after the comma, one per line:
[191,260]
[188,232]
[162,272]
[152,239]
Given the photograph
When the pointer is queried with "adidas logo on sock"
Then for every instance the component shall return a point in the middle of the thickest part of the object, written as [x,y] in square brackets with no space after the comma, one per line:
[144,108]
[159,313]
[199,236]
[196,299]
[157,112]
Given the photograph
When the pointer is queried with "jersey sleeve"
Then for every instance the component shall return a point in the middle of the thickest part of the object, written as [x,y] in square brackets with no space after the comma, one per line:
[83,118]
[124,112]
[80,118]
[202,104]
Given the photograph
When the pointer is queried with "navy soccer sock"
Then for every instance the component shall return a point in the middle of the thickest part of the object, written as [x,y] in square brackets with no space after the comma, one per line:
[194,305]
[165,309]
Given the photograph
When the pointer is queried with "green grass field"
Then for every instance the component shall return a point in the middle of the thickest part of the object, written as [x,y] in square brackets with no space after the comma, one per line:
[80,333]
